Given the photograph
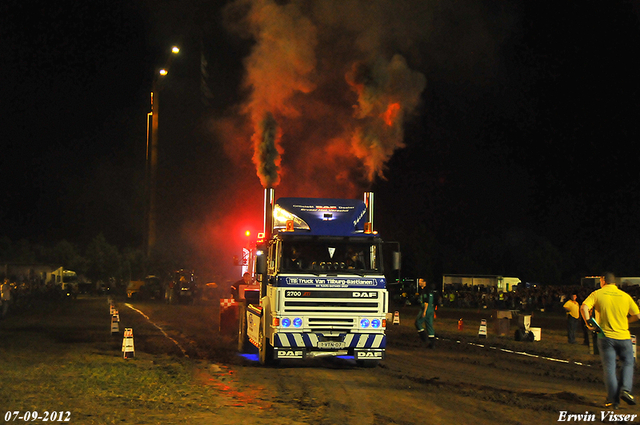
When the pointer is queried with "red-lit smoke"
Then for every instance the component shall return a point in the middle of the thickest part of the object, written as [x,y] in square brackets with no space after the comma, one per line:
[329,92]
[385,91]
[331,83]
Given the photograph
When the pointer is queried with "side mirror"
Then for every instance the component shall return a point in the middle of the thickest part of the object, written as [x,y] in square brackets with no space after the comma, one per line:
[397,260]
[261,262]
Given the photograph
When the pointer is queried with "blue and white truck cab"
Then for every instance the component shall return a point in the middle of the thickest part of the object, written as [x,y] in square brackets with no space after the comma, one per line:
[322,287]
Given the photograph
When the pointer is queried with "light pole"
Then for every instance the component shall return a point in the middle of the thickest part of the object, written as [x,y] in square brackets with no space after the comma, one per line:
[152,153]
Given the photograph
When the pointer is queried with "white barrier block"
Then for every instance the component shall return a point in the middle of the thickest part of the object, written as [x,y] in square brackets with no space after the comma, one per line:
[537,333]
[482,331]
[128,350]
[115,325]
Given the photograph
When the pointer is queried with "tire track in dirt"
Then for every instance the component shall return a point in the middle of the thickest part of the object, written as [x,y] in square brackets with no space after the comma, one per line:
[335,395]
[490,376]
[454,383]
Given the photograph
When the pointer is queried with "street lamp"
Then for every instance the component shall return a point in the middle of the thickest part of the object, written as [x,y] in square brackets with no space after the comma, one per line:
[152,153]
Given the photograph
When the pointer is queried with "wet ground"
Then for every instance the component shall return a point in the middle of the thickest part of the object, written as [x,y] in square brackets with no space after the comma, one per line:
[465,379]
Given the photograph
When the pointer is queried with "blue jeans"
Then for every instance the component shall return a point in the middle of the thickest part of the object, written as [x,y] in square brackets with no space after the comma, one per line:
[609,349]
[572,325]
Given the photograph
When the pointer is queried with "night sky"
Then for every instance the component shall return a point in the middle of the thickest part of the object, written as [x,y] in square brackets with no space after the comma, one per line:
[524,132]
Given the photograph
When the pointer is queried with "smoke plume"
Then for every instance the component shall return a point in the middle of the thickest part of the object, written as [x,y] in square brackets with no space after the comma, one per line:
[385,91]
[267,151]
[329,90]
[328,87]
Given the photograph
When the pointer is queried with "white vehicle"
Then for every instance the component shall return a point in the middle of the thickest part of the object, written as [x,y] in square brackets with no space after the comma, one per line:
[63,277]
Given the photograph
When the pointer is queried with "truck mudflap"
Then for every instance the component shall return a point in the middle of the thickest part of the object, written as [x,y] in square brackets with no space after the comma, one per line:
[319,341]
[368,354]
[288,353]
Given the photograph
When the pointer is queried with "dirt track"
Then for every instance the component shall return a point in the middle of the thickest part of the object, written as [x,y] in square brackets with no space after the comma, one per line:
[463,380]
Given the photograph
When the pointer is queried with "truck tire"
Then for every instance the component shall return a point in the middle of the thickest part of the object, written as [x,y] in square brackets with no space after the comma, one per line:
[518,335]
[367,363]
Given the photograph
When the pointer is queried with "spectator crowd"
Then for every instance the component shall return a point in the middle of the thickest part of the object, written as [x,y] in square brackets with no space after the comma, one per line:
[534,298]
[18,294]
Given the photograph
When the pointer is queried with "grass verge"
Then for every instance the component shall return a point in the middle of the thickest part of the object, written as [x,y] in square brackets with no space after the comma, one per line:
[61,356]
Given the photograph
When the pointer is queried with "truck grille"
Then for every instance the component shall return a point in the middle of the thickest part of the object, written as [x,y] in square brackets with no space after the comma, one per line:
[330,309]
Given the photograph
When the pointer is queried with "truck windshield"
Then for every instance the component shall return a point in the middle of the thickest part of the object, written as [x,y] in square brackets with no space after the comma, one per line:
[331,255]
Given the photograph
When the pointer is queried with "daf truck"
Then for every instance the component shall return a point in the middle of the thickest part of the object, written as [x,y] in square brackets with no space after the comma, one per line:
[322,291]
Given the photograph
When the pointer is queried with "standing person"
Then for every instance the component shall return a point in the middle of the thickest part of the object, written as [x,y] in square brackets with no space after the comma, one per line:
[586,333]
[573,317]
[6,298]
[614,309]
[426,299]
[235,289]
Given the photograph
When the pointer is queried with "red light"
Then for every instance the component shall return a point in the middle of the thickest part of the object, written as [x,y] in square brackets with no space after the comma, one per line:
[367,227]
[247,233]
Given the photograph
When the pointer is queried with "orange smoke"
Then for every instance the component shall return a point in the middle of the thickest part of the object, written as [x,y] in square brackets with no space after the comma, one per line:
[389,116]
[382,87]
[277,69]
[328,132]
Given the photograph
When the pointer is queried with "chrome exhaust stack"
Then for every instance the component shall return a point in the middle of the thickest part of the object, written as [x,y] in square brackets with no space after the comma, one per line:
[368,201]
[269,199]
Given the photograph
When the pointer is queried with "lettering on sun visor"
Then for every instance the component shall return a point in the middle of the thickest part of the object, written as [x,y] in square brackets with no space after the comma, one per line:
[332,282]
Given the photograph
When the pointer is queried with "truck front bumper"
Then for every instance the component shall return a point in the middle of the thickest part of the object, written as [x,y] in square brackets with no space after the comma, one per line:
[303,353]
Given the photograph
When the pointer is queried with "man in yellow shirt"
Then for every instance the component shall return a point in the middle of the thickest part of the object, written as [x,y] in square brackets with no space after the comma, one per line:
[615,309]
[573,317]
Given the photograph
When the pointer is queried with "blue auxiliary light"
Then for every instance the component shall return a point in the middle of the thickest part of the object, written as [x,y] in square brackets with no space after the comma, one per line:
[286,322]
[345,357]
[364,323]
[375,323]
[250,356]
[297,322]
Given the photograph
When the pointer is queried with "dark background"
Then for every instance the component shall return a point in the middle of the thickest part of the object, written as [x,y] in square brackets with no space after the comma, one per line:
[520,160]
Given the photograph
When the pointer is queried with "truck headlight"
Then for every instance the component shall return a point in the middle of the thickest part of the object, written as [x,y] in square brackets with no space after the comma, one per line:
[286,322]
[364,323]
[297,322]
[375,323]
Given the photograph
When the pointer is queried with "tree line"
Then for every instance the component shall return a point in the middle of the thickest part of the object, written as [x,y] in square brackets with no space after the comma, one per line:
[97,261]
